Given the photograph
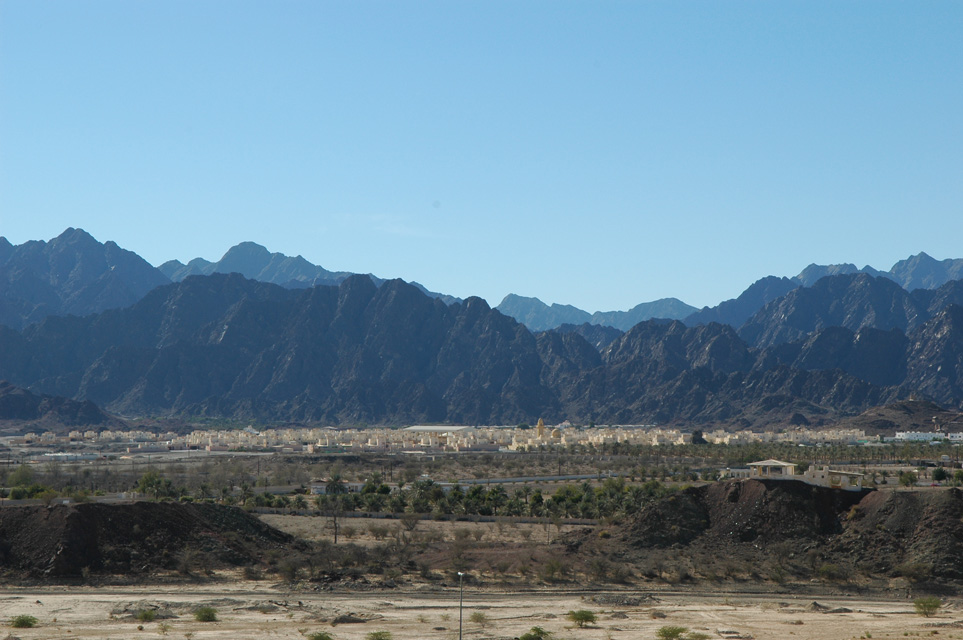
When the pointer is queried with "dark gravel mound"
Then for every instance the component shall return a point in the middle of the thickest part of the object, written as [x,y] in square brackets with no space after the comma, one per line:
[744,511]
[781,529]
[913,533]
[63,541]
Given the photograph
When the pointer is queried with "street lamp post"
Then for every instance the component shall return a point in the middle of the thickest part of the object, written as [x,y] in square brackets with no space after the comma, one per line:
[461,600]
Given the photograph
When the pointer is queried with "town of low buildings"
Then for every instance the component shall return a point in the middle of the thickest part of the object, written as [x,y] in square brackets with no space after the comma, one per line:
[439,438]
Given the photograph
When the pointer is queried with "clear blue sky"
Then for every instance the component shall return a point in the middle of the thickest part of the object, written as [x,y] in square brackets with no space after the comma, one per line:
[599,154]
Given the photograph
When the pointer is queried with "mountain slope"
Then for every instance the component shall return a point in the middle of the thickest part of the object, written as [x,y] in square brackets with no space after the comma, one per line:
[71,274]
[850,301]
[225,346]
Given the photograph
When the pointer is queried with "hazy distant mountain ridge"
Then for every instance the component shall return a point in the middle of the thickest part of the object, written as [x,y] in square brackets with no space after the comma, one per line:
[538,316]
[71,274]
[255,262]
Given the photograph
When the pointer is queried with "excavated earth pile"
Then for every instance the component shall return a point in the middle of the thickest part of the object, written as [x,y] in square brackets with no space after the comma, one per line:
[69,540]
[776,529]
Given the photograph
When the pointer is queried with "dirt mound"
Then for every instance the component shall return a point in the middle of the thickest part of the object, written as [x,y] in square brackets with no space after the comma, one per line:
[742,511]
[748,529]
[912,533]
[67,540]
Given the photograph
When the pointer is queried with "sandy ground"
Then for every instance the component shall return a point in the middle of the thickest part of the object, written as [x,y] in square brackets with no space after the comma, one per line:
[257,610]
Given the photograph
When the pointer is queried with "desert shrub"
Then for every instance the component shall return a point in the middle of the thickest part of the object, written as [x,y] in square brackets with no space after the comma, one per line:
[536,633]
[378,635]
[927,606]
[670,632]
[289,569]
[23,622]
[252,573]
[320,635]
[581,617]
[205,614]
[146,615]
[479,618]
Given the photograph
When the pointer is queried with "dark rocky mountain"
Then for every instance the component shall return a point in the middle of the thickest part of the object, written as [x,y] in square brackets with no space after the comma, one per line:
[735,312]
[72,274]
[255,262]
[222,345]
[917,274]
[538,316]
[851,301]
[22,410]
[598,335]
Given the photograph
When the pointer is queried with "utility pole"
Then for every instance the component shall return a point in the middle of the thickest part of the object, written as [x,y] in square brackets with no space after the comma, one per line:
[461,600]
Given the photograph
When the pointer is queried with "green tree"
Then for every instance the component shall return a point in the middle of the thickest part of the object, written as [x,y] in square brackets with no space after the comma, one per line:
[928,606]
[22,476]
[908,479]
[536,633]
[581,617]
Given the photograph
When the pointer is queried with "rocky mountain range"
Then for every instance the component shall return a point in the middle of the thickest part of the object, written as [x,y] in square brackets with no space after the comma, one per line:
[222,345]
[89,324]
[74,274]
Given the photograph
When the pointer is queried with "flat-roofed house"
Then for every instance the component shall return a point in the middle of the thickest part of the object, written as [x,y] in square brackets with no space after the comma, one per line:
[823,476]
[772,469]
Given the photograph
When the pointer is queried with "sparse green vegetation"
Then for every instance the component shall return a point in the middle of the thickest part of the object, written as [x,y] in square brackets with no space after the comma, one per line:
[479,617]
[205,614]
[581,617]
[320,635]
[536,633]
[145,615]
[670,632]
[378,635]
[23,622]
[927,606]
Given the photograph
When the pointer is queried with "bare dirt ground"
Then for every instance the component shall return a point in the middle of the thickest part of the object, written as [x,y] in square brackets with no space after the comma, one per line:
[257,610]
